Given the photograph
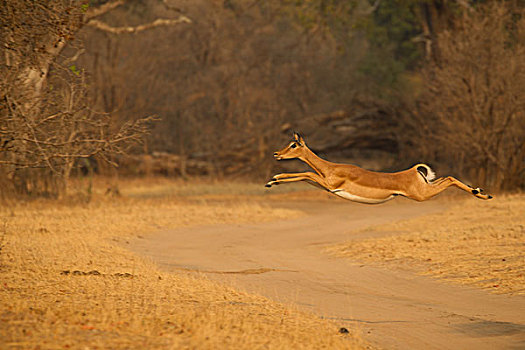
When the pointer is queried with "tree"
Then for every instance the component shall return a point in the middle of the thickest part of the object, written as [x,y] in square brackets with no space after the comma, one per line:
[471,113]
[46,122]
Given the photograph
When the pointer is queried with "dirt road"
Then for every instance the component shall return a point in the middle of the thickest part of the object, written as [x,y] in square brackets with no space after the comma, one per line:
[393,309]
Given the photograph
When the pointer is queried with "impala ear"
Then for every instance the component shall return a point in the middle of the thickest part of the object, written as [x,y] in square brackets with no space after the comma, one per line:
[298,138]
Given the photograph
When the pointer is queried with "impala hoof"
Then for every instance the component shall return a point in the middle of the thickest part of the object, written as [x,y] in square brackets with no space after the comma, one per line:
[273,181]
[479,192]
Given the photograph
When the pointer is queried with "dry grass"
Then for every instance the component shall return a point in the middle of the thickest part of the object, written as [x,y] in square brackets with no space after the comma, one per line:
[67,281]
[162,187]
[477,243]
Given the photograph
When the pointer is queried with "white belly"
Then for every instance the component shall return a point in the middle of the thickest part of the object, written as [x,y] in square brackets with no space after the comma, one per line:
[355,198]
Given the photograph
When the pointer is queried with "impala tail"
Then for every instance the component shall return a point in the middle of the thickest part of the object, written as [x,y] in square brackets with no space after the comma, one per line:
[426,172]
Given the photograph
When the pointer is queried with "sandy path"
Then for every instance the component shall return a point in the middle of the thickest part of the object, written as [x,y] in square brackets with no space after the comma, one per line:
[394,309]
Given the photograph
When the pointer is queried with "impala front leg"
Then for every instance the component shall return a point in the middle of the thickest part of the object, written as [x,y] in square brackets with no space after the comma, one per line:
[293,177]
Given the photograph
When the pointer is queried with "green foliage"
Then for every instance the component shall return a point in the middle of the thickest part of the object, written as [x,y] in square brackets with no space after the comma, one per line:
[333,16]
[390,31]
[73,68]
[392,27]
[381,68]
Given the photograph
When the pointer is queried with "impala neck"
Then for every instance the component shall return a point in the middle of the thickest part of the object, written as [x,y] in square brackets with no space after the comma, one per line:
[314,161]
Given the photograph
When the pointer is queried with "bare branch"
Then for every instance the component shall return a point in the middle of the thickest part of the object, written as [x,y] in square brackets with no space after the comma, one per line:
[102,9]
[75,57]
[120,30]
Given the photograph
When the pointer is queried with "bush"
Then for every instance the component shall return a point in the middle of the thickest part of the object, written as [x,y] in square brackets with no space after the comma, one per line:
[471,114]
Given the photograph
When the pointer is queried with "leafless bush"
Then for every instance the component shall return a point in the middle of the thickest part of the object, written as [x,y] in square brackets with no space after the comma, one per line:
[43,147]
[471,114]
[46,123]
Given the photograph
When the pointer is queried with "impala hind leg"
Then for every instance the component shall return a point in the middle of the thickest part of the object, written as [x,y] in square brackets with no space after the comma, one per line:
[434,188]
[293,177]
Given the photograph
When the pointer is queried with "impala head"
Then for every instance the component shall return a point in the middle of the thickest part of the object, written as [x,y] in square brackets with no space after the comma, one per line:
[294,149]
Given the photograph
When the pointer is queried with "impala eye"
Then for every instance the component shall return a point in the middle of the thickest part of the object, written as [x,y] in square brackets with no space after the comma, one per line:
[293,145]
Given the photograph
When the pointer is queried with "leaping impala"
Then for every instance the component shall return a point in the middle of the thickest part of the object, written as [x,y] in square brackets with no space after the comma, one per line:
[364,186]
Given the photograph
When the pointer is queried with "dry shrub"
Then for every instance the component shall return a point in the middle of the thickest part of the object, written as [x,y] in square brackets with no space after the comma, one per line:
[471,115]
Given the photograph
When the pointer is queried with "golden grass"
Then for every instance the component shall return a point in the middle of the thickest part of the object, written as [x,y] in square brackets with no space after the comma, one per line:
[162,187]
[203,190]
[478,243]
[67,281]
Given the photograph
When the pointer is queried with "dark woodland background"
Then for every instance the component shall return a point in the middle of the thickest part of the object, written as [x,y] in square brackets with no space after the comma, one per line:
[189,88]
